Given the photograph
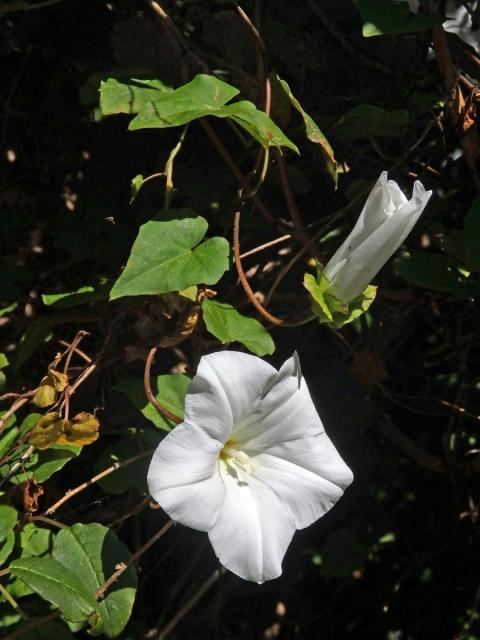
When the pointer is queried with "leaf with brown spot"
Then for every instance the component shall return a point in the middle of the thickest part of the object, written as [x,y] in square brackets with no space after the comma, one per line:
[81,430]
[46,431]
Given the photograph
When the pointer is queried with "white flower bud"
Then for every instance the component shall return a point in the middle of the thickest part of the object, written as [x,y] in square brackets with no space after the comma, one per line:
[385,221]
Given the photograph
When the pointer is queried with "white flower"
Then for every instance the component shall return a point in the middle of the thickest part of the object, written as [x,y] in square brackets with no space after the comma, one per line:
[385,221]
[250,464]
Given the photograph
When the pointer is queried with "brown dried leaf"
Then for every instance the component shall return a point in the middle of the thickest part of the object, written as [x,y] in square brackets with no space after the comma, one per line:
[31,494]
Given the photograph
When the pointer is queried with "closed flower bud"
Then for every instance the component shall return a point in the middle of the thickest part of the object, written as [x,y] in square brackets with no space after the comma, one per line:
[385,221]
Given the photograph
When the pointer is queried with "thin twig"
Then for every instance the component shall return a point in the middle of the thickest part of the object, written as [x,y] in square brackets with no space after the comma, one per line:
[100,592]
[25,6]
[243,278]
[72,347]
[182,612]
[169,24]
[78,351]
[163,411]
[266,245]
[99,476]
[293,209]
[23,399]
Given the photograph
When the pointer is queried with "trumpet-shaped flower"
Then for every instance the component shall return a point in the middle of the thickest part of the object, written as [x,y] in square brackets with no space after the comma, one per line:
[385,221]
[250,464]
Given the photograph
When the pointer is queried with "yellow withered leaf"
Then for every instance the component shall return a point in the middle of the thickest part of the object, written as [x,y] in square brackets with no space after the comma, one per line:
[60,380]
[50,385]
[82,429]
[46,431]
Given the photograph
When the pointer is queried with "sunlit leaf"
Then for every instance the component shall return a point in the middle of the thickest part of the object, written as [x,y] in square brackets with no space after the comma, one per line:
[208,96]
[313,132]
[169,255]
[387,16]
[228,325]
[169,390]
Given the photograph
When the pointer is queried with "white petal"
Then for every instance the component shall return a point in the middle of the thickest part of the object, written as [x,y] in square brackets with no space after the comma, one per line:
[307,495]
[362,264]
[225,390]
[286,412]
[383,199]
[183,476]
[460,22]
[253,529]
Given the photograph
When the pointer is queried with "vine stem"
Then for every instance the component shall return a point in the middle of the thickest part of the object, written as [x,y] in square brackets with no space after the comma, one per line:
[243,278]
[182,612]
[123,566]
[99,476]
[163,411]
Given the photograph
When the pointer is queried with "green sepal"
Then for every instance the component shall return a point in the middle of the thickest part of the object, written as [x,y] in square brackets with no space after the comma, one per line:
[329,309]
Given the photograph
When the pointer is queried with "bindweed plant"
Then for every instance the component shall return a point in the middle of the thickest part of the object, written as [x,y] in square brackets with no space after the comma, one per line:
[209,215]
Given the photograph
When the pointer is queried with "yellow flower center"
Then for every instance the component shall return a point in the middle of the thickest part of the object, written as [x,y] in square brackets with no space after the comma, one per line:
[233,457]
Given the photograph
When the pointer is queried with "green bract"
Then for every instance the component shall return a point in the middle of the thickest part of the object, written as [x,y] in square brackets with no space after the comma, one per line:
[329,309]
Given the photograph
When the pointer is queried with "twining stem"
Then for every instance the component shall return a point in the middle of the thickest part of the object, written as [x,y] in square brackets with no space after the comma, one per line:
[163,411]
[182,612]
[169,169]
[13,603]
[100,592]
[243,278]
[99,476]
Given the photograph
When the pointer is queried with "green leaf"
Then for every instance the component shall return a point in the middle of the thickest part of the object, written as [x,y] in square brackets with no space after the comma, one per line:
[169,390]
[168,255]
[207,96]
[135,186]
[44,464]
[228,325]
[3,361]
[369,120]
[57,584]
[314,133]
[129,95]
[92,552]
[38,332]
[7,547]
[34,541]
[8,520]
[71,298]
[437,272]
[387,16]
[471,236]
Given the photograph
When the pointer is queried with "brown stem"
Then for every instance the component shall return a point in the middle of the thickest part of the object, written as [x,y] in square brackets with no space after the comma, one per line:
[99,476]
[23,399]
[293,209]
[266,245]
[72,347]
[123,566]
[148,390]
[182,612]
[243,278]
